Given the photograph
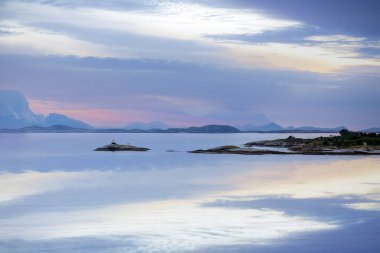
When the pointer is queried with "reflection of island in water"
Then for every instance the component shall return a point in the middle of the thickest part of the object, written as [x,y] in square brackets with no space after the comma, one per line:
[348,143]
[120,147]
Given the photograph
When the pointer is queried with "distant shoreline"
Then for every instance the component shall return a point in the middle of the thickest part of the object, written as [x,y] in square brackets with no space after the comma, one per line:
[212,129]
[207,129]
[163,132]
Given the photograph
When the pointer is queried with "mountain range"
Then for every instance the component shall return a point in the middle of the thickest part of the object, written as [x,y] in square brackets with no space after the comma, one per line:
[16,113]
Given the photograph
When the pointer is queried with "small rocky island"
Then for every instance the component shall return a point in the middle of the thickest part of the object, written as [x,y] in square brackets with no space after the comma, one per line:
[120,147]
[348,143]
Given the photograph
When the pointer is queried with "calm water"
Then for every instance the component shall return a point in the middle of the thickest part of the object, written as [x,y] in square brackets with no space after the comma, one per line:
[57,195]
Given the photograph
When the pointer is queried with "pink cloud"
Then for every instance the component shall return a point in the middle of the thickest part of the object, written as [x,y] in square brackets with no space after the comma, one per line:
[114,117]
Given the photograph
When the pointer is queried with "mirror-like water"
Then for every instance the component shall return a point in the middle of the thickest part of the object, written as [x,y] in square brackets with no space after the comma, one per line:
[60,196]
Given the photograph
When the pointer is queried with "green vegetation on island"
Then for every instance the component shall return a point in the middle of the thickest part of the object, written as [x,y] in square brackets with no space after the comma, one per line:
[346,140]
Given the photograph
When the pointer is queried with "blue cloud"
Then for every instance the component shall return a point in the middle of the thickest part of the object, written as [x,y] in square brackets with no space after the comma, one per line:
[293,35]
[369,52]
[356,18]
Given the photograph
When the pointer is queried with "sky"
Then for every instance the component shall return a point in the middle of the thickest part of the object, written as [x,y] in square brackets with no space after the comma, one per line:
[185,63]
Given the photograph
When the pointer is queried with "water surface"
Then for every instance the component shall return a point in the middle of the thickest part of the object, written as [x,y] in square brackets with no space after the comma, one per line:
[58,195]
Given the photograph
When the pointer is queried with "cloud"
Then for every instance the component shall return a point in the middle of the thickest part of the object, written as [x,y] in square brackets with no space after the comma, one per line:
[34,41]
[335,38]
[372,51]
[370,206]
[143,28]
[191,22]
[191,106]
[354,18]
[127,90]
[325,54]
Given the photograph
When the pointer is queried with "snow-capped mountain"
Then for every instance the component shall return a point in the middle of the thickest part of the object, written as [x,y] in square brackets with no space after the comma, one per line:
[16,113]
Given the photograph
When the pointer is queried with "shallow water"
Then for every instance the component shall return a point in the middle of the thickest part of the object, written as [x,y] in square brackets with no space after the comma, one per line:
[60,196]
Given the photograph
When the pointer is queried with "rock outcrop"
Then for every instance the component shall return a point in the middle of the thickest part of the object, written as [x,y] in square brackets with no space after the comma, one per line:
[229,149]
[120,147]
[253,151]
[349,143]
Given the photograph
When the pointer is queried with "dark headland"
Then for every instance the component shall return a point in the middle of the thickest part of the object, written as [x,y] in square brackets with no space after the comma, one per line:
[348,143]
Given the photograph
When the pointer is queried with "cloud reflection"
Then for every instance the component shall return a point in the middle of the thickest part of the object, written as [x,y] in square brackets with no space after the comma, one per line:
[184,221]
[312,179]
[18,185]
[163,226]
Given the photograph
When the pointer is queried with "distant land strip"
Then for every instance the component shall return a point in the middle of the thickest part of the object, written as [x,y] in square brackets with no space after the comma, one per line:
[202,129]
